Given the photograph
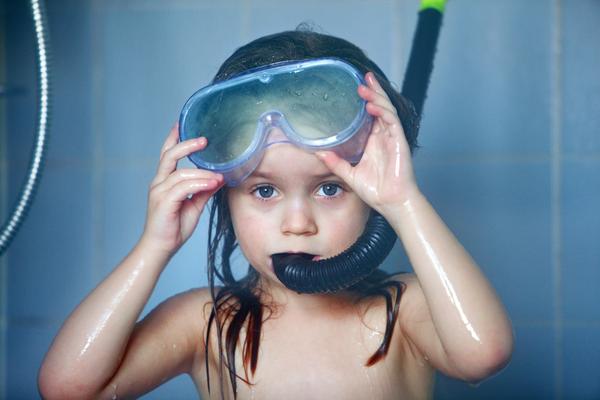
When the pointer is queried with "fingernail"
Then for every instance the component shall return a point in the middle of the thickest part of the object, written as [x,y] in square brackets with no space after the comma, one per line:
[321,154]
[202,141]
[372,77]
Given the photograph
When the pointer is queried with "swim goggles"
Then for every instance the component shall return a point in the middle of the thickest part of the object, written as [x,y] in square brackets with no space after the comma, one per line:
[312,104]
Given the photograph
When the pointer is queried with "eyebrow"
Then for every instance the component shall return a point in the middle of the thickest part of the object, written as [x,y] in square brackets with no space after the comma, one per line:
[269,176]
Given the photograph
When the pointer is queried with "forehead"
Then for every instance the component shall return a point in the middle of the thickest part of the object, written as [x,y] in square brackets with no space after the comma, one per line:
[285,160]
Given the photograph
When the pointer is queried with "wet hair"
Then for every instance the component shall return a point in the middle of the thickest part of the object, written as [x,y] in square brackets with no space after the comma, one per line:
[237,304]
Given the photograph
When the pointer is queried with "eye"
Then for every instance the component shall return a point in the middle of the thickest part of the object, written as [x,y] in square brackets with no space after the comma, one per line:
[264,191]
[330,190]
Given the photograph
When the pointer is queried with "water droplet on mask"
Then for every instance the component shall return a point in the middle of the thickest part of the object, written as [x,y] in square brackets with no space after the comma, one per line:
[265,78]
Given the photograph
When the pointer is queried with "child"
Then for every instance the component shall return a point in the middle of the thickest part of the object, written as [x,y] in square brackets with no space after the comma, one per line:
[381,337]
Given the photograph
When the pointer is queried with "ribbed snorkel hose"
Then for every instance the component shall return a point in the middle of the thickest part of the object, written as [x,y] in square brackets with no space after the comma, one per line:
[19,212]
[375,243]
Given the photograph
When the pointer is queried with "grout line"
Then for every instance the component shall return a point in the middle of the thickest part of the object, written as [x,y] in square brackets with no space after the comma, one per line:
[97,19]
[555,185]
[396,44]
[245,20]
[34,321]
[425,157]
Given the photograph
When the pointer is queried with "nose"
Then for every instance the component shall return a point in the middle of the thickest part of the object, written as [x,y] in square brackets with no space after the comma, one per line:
[298,219]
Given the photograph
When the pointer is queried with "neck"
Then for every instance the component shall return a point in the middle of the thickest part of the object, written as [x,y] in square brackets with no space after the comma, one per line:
[290,301]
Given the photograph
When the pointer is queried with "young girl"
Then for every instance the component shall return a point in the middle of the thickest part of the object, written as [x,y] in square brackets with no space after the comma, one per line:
[377,337]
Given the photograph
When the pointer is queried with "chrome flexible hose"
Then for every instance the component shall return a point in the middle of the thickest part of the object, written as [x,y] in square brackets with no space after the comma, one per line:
[19,212]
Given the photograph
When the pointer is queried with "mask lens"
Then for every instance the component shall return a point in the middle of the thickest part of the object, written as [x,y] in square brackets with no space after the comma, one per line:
[320,102]
[227,119]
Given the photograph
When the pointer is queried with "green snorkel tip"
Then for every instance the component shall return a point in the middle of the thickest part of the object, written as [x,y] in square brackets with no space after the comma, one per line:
[435,4]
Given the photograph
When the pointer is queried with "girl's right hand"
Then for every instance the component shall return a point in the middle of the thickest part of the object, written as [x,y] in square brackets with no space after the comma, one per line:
[177,196]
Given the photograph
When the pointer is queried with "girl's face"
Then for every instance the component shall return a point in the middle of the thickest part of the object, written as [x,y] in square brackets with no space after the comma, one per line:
[293,203]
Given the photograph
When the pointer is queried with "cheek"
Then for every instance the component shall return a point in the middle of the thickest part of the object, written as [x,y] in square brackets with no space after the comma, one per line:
[247,227]
[345,226]
[251,232]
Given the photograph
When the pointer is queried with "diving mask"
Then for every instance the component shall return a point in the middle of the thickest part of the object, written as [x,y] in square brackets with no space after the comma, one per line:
[314,103]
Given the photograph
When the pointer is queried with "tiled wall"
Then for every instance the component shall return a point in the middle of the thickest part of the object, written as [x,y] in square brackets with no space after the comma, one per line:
[510,158]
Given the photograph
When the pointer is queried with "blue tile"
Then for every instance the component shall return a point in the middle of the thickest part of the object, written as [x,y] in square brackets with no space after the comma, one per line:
[501,214]
[149,72]
[529,375]
[580,59]
[581,357]
[490,89]
[49,260]
[70,134]
[25,350]
[124,200]
[70,75]
[580,261]
[20,78]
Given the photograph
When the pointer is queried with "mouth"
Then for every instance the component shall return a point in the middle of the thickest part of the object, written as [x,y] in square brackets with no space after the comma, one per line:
[292,257]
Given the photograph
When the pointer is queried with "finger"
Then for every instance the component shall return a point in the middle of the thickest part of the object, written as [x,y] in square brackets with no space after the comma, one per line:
[390,118]
[168,161]
[337,165]
[185,174]
[373,96]
[374,83]
[172,139]
[183,190]
[199,200]
[192,209]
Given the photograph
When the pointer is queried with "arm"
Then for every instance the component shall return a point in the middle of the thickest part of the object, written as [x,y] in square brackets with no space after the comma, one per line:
[100,340]
[450,313]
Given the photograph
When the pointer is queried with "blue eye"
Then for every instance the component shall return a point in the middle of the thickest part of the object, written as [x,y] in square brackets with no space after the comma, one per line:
[264,192]
[330,190]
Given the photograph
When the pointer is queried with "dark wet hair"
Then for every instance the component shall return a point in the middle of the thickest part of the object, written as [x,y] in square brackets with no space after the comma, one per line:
[238,302]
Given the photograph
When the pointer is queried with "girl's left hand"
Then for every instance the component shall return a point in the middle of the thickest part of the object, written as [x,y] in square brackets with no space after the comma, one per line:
[384,176]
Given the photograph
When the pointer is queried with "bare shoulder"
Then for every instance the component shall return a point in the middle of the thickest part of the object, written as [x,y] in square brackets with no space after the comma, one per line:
[194,302]
[188,311]
[181,317]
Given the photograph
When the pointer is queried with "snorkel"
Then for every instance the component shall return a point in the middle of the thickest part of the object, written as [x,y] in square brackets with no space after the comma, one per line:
[299,272]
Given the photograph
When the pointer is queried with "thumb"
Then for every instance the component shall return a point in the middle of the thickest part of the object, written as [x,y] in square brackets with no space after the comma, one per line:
[336,164]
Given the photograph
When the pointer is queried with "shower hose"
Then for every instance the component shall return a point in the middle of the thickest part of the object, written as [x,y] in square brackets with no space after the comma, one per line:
[30,184]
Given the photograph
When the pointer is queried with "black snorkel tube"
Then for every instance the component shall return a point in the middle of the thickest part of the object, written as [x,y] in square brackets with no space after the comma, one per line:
[303,275]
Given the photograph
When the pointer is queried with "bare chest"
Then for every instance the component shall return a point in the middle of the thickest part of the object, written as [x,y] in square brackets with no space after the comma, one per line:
[327,360]
[319,368]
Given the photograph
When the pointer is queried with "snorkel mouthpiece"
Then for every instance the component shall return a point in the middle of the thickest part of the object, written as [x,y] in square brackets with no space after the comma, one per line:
[297,272]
